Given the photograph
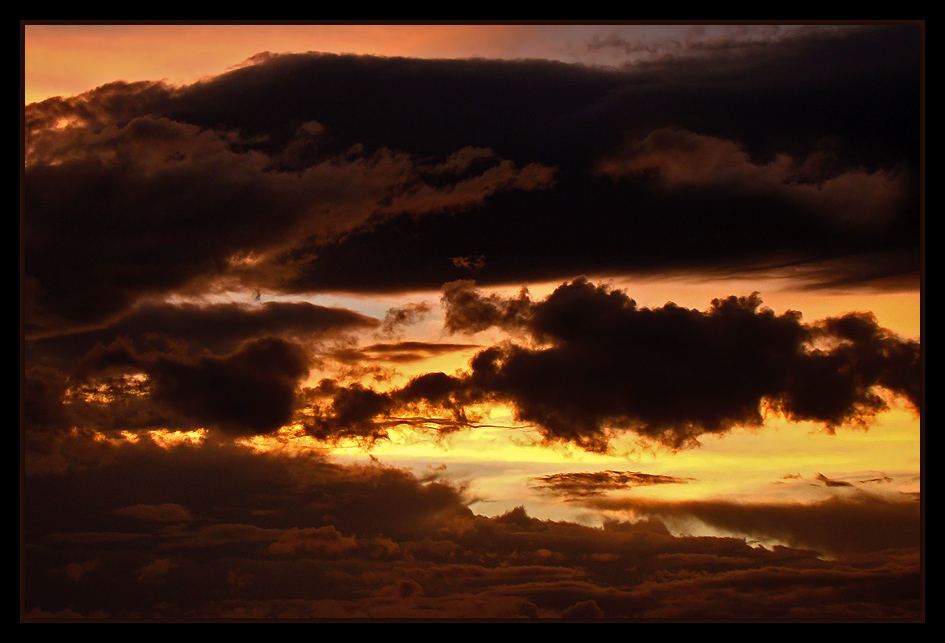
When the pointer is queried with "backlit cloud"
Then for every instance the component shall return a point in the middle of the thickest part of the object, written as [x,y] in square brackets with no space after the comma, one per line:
[579,485]
[290,536]
[603,365]
[856,522]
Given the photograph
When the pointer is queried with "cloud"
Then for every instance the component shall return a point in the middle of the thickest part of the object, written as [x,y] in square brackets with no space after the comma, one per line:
[600,365]
[583,484]
[279,535]
[679,159]
[400,351]
[588,364]
[247,392]
[833,483]
[348,411]
[218,328]
[209,207]
[470,262]
[432,401]
[328,541]
[75,571]
[468,311]
[696,39]
[178,367]
[296,175]
[406,315]
[394,168]
[582,611]
[860,522]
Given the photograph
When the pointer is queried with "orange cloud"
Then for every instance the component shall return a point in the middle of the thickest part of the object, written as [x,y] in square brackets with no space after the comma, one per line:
[678,158]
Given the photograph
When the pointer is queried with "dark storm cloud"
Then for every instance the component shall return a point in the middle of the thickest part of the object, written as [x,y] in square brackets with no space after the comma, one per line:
[432,400]
[588,364]
[806,140]
[150,205]
[247,392]
[468,311]
[601,364]
[347,411]
[218,328]
[219,531]
[854,522]
[301,172]
[223,518]
[164,366]
[582,484]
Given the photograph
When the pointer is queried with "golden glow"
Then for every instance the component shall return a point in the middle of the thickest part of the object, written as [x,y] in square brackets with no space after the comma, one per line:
[288,440]
[169,439]
[499,459]
[777,462]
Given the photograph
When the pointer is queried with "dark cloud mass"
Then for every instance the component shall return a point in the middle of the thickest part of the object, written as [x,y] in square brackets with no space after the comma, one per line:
[841,524]
[298,172]
[186,205]
[589,365]
[217,328]
[250,391]
[601,363]
[220,532]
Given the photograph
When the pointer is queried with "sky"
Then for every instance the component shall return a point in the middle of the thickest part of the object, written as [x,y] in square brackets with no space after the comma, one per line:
[472,322]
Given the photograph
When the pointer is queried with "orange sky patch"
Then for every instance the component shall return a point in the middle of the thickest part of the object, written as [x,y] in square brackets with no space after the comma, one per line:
[70,59]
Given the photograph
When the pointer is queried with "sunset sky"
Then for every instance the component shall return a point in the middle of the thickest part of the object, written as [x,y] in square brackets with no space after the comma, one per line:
[472,322]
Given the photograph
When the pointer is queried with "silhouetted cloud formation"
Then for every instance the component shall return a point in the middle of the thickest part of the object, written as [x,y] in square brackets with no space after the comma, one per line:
[591,365]
[311,172]
[600,364]
[410,313]
[193,328]
[582,484]
[228,533]
[209,208]
[247,392]
[857,522]
[833,483]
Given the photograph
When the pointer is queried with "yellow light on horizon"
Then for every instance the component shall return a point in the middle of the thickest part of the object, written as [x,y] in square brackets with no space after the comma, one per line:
[169,439]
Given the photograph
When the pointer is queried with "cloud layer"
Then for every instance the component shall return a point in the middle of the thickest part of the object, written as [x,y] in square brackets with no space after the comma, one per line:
[592,365]
[319,172]
[231,534]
